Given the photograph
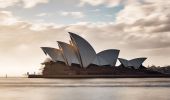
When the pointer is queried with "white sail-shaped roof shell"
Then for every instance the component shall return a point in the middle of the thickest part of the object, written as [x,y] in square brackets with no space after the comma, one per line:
[86,52]
[99,61]
[106,57]
[110,56]
[68,53]
[136,63]
[55,54]
[124,62]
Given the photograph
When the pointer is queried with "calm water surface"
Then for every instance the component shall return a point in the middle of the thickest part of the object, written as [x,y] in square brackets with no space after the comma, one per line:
[85,89]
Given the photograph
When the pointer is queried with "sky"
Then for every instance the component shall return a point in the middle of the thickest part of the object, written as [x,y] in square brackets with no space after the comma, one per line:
[138,28]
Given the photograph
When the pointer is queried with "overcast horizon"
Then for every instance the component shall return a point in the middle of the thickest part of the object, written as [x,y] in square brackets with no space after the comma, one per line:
[138,28]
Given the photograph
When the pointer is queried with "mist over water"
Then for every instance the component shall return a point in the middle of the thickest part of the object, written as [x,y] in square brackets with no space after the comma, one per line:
[85,89]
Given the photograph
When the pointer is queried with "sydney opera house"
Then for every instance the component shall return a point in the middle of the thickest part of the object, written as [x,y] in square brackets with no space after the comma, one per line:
[79,58]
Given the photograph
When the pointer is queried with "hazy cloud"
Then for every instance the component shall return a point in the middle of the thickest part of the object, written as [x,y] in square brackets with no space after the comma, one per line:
[125,35]
[6,18]
[7,3]
[146,17]
[42,14]
[32,3]
[23,3]
[108,3]
[72,14]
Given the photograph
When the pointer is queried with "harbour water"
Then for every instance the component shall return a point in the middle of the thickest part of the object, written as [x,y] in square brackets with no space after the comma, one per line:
[85,89]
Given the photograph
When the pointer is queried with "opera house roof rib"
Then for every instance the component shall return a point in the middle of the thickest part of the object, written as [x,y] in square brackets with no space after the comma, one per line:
[86,52]
[136,63]
[55,54]
[80,52]
[68,53]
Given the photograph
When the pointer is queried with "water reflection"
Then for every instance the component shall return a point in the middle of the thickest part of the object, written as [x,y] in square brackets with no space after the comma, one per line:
[84,89]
